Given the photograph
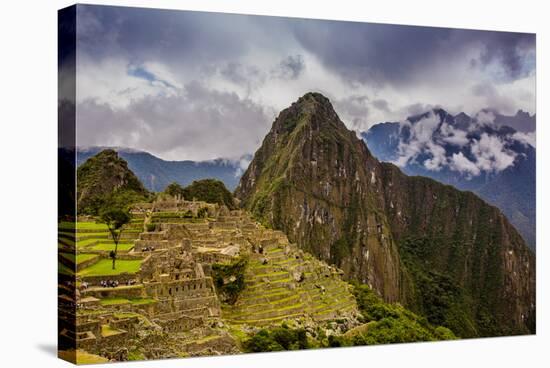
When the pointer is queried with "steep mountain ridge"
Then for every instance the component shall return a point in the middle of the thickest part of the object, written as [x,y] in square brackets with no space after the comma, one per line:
[442,252]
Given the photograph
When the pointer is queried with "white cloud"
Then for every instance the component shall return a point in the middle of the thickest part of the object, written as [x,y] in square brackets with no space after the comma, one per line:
[529,138]
[421,139]
[461,163]
[453,136]
[438,159]
[483,117]
[195,123]
[430,144]
[491,154]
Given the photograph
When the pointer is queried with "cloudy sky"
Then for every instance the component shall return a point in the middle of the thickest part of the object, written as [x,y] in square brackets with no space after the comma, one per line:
[191,85]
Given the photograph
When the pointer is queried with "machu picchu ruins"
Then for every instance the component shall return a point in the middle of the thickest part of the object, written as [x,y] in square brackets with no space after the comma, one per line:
[161,301]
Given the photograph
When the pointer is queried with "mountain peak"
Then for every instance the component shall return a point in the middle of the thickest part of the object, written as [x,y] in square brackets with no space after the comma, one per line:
[314,97]
[312,110]
[523,114]
[462,115]
[106,178]
[108,153]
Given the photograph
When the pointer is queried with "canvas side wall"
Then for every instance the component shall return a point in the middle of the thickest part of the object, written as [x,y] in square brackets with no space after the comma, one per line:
[67,184]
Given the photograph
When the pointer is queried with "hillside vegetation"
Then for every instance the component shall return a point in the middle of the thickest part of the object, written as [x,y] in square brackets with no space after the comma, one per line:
[105,179]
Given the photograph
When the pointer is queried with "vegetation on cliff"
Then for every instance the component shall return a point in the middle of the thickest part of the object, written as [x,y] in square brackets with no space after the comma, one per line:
[105,180]
[386,323]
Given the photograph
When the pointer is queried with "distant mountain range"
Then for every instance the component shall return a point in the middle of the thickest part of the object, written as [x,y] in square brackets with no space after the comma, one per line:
[490,154]
[522,121]
[156,174]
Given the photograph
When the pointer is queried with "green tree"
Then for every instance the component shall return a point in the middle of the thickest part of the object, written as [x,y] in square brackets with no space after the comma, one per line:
[174,189]
[115,219]
[229,279]
[211,191]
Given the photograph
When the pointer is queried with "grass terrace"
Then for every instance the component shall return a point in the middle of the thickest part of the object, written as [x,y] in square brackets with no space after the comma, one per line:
[104,267]
[103,246]
[107,330]
[81,257]
[120,301]
[82,357]
[81,225]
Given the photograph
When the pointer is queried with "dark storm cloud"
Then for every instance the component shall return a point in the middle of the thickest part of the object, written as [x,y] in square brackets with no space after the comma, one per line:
[509,50]
[371,52]
[290,67]
[173,36]
[359,52]
[382,53]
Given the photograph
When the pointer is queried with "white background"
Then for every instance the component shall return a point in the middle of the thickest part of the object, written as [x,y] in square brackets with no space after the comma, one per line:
[28,134]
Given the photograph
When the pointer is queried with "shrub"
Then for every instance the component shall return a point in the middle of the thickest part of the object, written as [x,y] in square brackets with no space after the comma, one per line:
[277,339]
[229,279]
[211,191]
[389,323]
[202,212]
[174,189]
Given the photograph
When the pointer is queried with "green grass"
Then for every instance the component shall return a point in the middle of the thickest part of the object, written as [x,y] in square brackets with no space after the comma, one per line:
[122,315]
[122,246]
[135,355]
[83,226]
[83,257]
[104,268]
[95,234]
[114,301]
[107,330]
[142,301]
[120,301]
[82,357]
[91,226]
[86,242]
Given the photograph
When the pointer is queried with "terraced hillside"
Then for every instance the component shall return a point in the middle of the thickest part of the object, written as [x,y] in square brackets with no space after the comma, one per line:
[85,244]
[284,283]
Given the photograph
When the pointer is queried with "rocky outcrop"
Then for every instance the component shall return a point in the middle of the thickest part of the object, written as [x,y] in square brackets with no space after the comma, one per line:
[442,252]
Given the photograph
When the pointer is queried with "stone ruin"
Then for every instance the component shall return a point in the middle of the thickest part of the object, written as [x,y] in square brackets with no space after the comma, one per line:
[171,307]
